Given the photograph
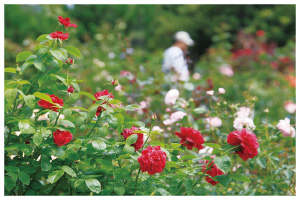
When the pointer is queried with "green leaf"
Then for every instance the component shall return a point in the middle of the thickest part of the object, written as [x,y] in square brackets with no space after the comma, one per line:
[163,192]
[188,157]
[188,186]
[128,149]
[73,51]
[189,86]
[40,66]
[113,122]
[10,95]
[67,122]
[88,95]
[58,54]
[223,179]
[9,183]
[102,131]
[37,138]
[67,112]
[213,145]
[43,38]
[119,190]
[69,171]
[98,145]
[131,139]
[25,127]
[261,162]
[223,163]
[24,178]
[55,176]
[10,69]
[45,163]
[92,111]
[94,185]
[23,55]
[63,80]
[76,86]
[29,100]
[52,115]
[43,96]
[200,110]
[239,178]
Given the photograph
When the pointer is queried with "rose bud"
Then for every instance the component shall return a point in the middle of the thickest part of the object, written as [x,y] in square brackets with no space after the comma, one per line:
[115,82]
[70,89]
[70,61]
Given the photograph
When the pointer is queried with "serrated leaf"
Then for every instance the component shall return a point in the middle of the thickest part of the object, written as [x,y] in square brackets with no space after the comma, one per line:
[58,54]
[239,178]
[40,66]
[67,122]
[94,185]
[261,162]
[24,178]
[98,145]
[73,51]
[23,56]
[88,95]
[131,139]
[69,171]
[223,163]
[37,139]
[55,176]
[128,149]
[10,69]
[25,127]
[10,95]
[43,96]
[223,179]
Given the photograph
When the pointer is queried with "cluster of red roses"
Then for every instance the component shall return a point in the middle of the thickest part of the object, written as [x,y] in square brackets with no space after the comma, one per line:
[245,140]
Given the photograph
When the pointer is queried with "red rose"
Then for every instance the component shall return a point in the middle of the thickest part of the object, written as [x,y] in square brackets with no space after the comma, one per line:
[247,141]
[190,138]
[66,21]
[260,33]
[100,94]
[140,141]
[62,137]
[70,89]
[213,171]
[70,61]
[58,103]
[285,59]
[59,35]
[153,160]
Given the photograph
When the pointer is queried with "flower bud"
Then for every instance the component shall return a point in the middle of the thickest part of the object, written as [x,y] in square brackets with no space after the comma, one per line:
[70,89]
[153,117]
[70,61]
[115,82]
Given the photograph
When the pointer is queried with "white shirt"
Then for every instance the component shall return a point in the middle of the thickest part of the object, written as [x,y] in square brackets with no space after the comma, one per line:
[174,58]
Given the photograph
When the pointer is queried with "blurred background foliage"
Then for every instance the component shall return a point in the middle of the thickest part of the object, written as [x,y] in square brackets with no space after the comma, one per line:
[113,38]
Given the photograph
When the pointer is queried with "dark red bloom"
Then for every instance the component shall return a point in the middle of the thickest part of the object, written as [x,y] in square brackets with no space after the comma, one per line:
[190,138]
[59,35]
[140,141]
[213,171]
[58,103]
[70,61]
[70,89]
[100,94]
[247,141]
[66,22]
[153,160]
[62,137]
[260,33]
[285,59]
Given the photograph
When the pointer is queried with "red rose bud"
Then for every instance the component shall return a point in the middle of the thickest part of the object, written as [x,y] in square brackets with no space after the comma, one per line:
[66,22]
[260,33]
[139,142]
[70,61]
[70,89]
[190,138]
[115,82]
[58,103]
[247,142]
[62,137]
[100,94]
[59,35]
[153,160]
[213,171]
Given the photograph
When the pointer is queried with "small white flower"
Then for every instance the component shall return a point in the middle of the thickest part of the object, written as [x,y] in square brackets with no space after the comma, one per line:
[213,122]
[244,112]
[210,92]
[176,116]
[243,122]
[18,133]
[285,127]
[226,70]
[171,97]
[221,91]
[157,128]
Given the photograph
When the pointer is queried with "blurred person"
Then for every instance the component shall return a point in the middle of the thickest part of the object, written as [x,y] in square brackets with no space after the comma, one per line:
[176,57]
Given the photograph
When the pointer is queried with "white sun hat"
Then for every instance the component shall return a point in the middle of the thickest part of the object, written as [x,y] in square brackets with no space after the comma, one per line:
[184,37]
